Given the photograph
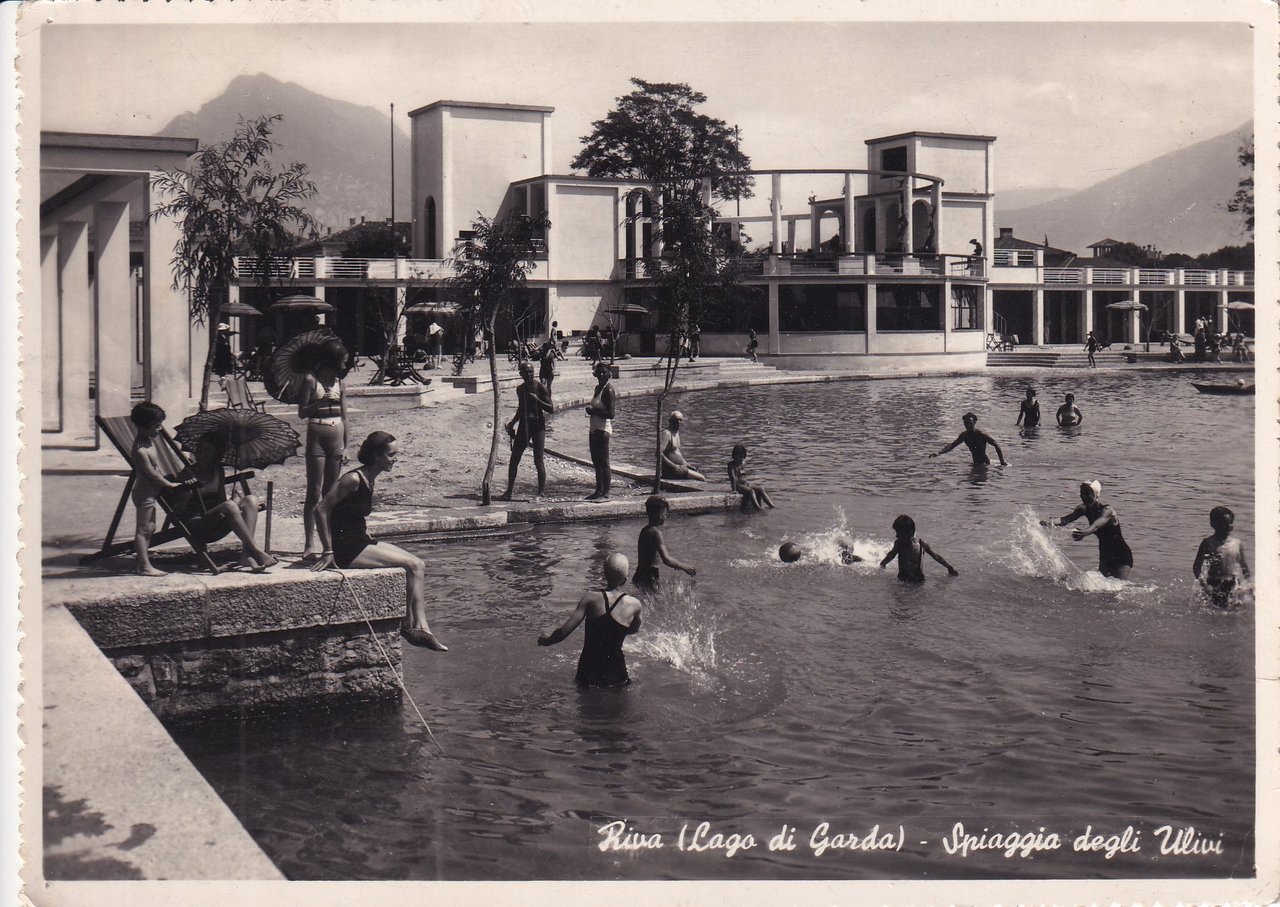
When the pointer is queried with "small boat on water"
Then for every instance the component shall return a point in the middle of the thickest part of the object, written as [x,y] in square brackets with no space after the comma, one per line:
[1225,389]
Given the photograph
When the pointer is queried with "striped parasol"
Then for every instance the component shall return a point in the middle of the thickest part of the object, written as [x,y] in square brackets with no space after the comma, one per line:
[254,440]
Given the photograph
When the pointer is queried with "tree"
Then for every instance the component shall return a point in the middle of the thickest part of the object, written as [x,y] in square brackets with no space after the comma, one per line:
[657,137]
[491,268]
[231,201]
[696,276]
[1242,201]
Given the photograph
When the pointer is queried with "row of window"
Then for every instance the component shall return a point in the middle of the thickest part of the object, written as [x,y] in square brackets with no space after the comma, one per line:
[816,308]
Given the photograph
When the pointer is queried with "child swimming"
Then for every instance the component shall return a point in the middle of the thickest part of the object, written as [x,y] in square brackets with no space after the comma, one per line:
[910,552]
[1228,568]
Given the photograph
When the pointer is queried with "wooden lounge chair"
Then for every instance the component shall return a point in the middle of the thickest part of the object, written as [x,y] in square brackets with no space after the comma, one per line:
[179,522]
[240,397]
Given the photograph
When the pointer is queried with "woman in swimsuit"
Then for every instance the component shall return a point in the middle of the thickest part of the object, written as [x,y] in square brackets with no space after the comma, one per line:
[324,407]
[214,515]
[611,616]
[1114,557]
[340,521]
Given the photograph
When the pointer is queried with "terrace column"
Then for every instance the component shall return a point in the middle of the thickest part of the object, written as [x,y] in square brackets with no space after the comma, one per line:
[328,319]
[1179,308]
[1037,316]
[909,239]
[1088,312]
[776,208]
[775,344]
[402,323]
[946,315]
[172,355]
[76,324]
[1223,313]
[846,238]
[935,196]
[113,291]
[50,336]
[871,316]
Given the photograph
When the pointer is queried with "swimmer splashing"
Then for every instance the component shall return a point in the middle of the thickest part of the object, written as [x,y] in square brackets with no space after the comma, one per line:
[1114,557]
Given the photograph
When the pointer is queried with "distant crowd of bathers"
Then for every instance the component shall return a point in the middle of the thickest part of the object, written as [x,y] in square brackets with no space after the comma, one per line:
[337,504]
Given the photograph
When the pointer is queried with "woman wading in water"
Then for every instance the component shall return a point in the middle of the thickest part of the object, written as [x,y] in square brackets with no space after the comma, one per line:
[1114,557]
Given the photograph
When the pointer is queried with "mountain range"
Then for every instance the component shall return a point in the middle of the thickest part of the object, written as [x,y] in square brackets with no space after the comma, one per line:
[1176,202]
[346,146]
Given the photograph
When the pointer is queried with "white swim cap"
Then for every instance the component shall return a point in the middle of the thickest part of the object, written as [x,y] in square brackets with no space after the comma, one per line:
[1096,486]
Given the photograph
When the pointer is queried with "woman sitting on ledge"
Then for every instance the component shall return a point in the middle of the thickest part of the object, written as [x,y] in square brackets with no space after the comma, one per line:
[340,523]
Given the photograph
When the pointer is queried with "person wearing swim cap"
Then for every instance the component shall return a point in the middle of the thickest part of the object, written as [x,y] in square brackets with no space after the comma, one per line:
[1114,557]
[976,441]
[610,615]
[674,465]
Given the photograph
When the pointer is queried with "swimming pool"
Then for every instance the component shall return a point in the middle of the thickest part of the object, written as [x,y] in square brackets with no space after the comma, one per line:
[1027,696]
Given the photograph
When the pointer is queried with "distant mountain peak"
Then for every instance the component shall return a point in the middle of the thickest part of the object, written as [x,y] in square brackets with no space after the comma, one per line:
[345,145]
[1176,203]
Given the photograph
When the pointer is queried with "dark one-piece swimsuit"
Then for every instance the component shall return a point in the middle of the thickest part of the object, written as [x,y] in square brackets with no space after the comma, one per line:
[602,663]
[1113,550]
[346,523]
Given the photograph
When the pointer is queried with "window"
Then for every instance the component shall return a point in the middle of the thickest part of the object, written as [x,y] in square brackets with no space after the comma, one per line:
[966,312]
[894,159]
[908,307]
[805,308]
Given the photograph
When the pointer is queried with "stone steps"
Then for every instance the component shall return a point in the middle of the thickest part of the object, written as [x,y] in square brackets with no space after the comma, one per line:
[1050,358]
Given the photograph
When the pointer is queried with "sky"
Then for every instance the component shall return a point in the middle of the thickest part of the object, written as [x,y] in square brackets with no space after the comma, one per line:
[1071,104]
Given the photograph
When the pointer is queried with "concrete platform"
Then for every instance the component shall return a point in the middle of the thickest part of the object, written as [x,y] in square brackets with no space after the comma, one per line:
[121,801]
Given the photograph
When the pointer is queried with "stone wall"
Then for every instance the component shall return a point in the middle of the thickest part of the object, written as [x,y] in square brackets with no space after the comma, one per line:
[317,665]
[192,646]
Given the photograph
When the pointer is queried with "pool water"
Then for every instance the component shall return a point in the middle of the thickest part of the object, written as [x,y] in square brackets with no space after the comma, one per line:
[1027,695]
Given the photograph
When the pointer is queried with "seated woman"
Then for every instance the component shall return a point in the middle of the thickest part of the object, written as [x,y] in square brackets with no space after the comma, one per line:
[340,523]
[209,512]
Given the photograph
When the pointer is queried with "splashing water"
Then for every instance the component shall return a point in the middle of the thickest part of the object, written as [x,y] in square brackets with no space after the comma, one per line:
[1035,553]
[825,547]
[678,629]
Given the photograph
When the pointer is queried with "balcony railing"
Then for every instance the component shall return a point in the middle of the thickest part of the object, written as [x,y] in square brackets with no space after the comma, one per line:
[805,264]
[1144,277]
[307,269]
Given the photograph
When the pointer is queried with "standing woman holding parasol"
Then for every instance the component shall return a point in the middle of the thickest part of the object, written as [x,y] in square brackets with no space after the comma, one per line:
[322,402]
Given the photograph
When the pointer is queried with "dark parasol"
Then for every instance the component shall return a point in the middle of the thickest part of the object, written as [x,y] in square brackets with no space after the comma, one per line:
[254,440]
[296,358]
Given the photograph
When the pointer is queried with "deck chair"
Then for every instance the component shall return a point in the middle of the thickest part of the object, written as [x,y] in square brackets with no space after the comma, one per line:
[179,522]
[240,397]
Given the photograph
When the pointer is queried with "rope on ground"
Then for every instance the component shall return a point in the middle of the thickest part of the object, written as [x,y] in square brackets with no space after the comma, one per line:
[391,665]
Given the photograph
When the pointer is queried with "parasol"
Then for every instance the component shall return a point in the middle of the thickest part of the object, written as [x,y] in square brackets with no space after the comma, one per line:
[239,308]
[301,304]
[629,308]
[292,361]
[1237,305]
[254,440]
[1127,305]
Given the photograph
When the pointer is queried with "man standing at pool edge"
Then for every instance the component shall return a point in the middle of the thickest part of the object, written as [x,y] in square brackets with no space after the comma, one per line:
[600,412]
[976,441]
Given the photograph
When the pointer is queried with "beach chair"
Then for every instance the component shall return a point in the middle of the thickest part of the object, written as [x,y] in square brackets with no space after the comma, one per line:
[179,521]
[240,397]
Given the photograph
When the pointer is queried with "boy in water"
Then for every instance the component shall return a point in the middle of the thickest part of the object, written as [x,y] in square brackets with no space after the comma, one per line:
[652,548]
[1227,566]
[976,441]
[754,497]
[1029,410]
[149,420]
[910,552]
[1069,414]
[790,552]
